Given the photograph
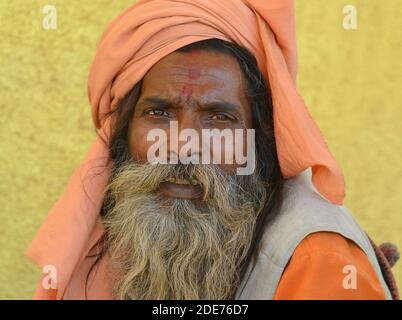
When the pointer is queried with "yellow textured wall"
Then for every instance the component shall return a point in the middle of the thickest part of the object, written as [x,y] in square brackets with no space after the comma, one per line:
[351,81]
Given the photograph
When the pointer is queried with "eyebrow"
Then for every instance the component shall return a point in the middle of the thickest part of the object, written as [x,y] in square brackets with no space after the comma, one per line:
[212,106]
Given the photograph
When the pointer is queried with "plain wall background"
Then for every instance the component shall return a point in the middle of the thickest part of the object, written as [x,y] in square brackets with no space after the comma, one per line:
[350,79]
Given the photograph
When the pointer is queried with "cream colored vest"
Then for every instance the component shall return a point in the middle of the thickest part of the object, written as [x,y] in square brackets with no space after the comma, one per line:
[304,211]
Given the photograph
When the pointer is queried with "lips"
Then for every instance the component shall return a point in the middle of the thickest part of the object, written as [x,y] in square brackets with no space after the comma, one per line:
[181,188]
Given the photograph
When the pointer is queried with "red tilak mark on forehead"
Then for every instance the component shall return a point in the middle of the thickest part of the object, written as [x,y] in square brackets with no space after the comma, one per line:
[194,73]
[186,91]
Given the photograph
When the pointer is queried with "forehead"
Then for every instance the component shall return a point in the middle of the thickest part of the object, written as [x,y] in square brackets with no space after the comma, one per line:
[210,74]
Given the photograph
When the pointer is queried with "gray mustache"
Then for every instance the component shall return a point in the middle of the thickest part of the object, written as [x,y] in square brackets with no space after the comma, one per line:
[215,182]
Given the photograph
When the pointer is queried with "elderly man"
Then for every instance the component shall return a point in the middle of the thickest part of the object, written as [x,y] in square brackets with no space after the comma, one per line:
[139,224]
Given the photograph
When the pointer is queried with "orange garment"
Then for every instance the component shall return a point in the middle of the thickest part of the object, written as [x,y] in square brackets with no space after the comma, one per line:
[315,271]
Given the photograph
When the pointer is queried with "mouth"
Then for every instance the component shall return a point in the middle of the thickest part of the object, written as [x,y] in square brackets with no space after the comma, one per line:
[181,188]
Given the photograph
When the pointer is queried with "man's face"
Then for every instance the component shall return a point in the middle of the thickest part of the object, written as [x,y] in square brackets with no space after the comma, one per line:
[199,90]
[174,240]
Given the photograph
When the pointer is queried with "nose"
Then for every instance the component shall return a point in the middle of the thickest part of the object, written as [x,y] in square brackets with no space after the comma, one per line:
[185,140]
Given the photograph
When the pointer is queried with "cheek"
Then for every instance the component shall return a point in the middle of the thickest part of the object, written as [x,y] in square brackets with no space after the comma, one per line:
[138,142]
[239,146]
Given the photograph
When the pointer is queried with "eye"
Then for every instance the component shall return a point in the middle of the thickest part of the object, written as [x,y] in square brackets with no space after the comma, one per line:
[157,112]
[221,117]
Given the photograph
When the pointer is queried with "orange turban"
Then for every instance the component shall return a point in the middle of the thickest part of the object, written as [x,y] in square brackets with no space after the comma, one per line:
[134,42]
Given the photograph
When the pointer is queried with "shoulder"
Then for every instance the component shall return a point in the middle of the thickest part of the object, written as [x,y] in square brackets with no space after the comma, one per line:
[326,265]
[328,243]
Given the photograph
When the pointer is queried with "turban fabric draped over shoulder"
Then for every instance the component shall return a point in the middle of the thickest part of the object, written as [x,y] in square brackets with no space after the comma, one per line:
[134,42]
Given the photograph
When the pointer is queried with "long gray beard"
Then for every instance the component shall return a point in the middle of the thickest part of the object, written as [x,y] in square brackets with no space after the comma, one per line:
[168,248]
